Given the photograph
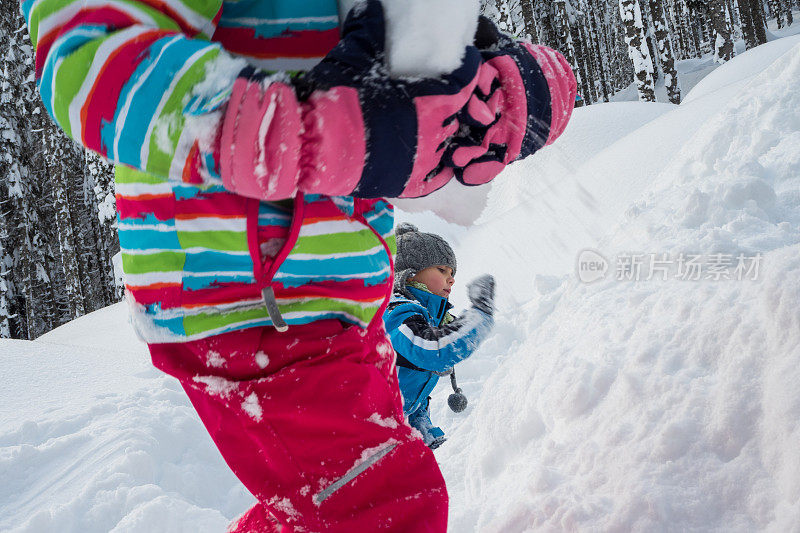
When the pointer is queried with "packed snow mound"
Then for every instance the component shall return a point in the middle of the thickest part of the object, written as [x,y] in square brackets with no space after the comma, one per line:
[662,404]
[109,328]
[742,68]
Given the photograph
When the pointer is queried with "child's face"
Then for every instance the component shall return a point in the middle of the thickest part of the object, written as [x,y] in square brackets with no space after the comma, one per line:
[439,279]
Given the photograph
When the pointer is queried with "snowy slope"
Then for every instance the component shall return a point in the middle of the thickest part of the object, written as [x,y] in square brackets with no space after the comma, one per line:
[660,405]
[615,406]
[93,438]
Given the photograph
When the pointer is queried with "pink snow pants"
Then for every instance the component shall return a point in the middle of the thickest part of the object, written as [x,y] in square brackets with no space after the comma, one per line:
[311,421]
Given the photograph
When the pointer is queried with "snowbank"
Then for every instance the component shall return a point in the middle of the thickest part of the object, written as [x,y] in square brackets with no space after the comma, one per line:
[747,65]
[656,405]
[94,439]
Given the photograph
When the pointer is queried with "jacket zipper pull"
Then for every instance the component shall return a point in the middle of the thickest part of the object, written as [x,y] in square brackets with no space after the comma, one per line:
[272,309]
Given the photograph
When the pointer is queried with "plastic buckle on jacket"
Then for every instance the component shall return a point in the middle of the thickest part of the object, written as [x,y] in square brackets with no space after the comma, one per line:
[272,309]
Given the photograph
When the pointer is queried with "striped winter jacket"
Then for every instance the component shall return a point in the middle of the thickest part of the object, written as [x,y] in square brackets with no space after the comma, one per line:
[125,78]
[424,345]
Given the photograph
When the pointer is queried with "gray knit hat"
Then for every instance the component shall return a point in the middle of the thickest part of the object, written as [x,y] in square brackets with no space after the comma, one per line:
[417,251]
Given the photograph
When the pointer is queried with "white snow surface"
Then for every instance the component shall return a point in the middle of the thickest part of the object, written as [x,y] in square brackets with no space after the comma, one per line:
[660,405]
[614,406]
[417,27]
[425,37]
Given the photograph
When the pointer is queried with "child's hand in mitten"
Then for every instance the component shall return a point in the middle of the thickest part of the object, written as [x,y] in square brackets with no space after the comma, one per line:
[523,101]
[346,127]
[481,293]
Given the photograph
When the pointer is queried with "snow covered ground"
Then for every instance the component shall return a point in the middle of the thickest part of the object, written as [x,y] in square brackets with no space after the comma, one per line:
[621,405]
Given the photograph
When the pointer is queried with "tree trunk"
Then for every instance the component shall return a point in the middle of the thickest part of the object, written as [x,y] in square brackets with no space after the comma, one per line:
[566,43]
[723,45]
[748,26]
[638,52]
[691,33]
[100,173]
[10,171]
[32,299]
[684,44]
[504,17]
[599,53]
[515,17]
[776,11]
[55,254]
[69,252]
[582,60]
[531,30]
[7,307]
[665,51]
[733,15]
[759,21]
[623,68]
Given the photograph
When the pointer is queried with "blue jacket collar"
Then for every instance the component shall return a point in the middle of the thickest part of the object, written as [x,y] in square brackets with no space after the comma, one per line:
[436,305]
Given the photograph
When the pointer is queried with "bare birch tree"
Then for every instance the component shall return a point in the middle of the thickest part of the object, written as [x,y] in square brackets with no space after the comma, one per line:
[631,14]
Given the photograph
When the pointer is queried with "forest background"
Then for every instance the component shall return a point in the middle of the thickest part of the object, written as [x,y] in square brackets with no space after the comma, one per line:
[57,209]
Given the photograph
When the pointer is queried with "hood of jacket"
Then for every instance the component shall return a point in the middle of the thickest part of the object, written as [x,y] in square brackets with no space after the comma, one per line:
[435,306]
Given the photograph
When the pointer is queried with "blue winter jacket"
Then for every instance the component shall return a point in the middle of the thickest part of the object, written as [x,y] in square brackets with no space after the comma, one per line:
[424,345]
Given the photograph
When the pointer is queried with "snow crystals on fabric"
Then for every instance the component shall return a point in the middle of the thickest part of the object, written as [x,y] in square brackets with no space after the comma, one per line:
[384,348]
[216,386]
[283,505]
[375,418]
[370,453]
[163,130]
[262,360]
[215,87]
[251,406]
[215,360]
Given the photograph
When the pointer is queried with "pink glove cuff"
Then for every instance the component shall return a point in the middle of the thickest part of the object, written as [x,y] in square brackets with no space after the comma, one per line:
[562,85]
[260,141]
[271,145]
[334,142]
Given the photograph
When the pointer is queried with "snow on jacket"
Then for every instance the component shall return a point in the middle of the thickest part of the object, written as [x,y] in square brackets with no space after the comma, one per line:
[424,345]
[198,259]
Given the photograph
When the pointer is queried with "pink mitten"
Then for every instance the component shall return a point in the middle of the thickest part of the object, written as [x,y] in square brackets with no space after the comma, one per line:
[523,101]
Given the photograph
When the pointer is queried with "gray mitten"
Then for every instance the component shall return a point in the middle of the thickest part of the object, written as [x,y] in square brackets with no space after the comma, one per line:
[481,293]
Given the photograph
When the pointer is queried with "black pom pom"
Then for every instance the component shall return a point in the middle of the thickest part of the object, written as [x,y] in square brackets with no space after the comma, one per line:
[457,402]
[405,227]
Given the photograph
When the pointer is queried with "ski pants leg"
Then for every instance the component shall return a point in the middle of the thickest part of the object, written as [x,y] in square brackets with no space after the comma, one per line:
[311,421]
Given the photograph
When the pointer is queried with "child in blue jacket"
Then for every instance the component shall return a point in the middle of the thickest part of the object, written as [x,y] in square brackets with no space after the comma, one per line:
[427,339]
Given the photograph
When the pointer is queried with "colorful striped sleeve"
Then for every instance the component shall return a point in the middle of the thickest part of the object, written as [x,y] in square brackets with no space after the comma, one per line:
[135,80]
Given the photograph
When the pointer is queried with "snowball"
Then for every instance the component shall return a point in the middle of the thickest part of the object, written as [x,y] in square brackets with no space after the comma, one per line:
[428,37]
